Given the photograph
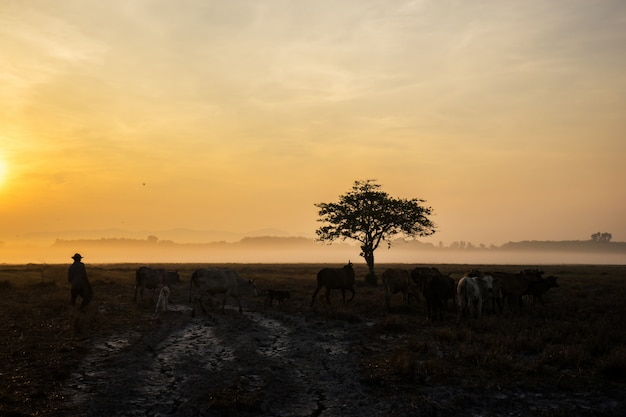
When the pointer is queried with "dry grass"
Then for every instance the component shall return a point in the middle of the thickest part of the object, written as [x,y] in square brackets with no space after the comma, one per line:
[576,339]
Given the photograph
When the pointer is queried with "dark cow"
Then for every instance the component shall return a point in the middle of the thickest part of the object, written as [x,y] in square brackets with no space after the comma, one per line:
[537,289]
[335,279]
[210,281]
[420,274]
[399,281]
[152,279]
[436,292]
[437,289]
[173,277]
[514,285]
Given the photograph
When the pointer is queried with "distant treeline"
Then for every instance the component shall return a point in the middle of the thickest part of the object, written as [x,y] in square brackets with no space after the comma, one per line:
[154,241]
[269,242]
[566,245]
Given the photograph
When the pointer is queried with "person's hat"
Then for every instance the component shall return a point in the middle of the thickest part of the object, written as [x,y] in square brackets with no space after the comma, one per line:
[77,257]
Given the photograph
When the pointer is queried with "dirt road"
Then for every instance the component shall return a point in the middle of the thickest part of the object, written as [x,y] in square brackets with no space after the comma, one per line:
[266,363]
[271,363]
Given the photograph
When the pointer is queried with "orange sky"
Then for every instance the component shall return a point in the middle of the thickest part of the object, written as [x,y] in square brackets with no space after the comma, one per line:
[508,117]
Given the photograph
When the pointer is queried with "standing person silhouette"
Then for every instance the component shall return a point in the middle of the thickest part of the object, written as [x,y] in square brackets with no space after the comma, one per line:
[77,277]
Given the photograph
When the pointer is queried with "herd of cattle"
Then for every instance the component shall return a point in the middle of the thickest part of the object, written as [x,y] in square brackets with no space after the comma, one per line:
[207,281]
[473,294]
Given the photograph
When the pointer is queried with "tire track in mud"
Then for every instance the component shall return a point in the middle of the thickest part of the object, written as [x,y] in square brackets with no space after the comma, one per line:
[256,363]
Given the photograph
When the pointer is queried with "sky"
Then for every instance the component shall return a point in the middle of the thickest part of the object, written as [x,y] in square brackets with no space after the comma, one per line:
[507,117]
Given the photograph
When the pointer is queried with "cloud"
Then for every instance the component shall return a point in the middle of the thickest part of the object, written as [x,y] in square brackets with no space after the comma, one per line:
[240,101]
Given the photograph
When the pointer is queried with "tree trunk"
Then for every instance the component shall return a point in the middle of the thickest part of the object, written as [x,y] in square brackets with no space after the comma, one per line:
[370,278]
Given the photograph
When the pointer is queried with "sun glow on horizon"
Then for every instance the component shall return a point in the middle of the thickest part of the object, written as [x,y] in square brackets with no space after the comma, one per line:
[3,172]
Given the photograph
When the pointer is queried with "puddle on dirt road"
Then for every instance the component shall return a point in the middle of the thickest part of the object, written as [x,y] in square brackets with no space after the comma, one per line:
[278,336]
[113,345]
[199,339]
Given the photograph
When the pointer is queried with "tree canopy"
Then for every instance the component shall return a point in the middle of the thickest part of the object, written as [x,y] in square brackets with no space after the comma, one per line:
[370,216]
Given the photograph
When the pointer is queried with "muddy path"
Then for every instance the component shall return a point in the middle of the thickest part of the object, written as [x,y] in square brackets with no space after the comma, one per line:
[249,364]
[272,363]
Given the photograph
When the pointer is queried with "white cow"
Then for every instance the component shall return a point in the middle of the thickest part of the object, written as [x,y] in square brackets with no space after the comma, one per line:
[471,292]
[490,290]
[220,281]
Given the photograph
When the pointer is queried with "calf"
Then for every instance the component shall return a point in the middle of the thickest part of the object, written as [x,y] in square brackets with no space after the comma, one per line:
[278,295]
[163,300]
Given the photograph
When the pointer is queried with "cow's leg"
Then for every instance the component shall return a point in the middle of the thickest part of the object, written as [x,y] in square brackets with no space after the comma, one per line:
[202,304]
[343,295]
[224,302]
[239,304]
[315,294]
[388,300]
[353,293]
[157,288]
[193,308]
[328,295]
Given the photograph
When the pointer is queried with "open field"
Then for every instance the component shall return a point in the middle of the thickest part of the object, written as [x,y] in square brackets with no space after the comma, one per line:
[565,357]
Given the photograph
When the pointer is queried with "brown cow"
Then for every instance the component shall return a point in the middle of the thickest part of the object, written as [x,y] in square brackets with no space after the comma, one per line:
[335,279]
[398,281]
[514,285]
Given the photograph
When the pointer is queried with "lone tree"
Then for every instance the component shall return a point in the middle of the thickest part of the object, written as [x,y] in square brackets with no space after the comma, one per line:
[368,215]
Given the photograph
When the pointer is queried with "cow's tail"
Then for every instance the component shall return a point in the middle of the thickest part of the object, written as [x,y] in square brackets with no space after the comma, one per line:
[461,300]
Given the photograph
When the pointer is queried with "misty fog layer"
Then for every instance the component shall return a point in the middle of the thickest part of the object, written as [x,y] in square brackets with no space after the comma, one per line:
[304,250]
